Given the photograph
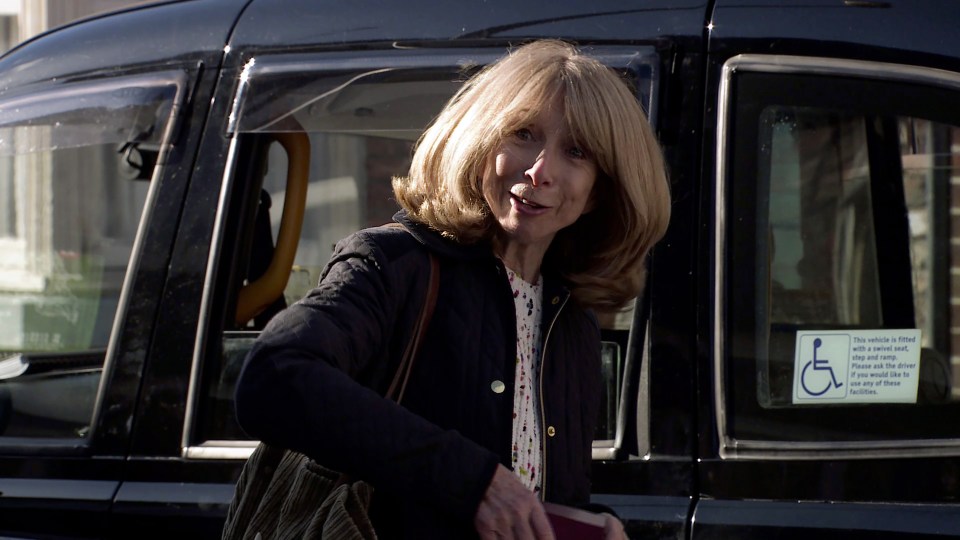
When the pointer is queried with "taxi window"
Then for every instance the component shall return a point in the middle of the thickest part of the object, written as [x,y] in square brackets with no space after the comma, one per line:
[360,117]
[838,262]
[75,168]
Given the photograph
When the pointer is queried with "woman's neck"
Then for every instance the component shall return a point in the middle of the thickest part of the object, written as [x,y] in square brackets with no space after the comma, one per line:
[524,260]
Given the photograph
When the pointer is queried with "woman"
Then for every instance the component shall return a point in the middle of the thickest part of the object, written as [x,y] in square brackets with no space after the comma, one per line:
[541,189]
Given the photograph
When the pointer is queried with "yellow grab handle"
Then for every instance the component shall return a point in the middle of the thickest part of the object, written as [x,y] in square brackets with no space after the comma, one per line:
[255,297]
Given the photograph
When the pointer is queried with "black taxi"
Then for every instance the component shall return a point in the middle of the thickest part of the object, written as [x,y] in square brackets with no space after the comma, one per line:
[174,174]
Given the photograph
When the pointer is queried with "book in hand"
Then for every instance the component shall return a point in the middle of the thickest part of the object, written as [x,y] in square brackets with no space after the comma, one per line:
[571,523]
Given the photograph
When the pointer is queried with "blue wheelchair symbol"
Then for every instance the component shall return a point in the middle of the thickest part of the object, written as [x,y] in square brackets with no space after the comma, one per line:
[819,364]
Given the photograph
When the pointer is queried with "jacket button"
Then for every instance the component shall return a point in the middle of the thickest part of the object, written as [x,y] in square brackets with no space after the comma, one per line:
[498,387]
[556,300]
[551,431]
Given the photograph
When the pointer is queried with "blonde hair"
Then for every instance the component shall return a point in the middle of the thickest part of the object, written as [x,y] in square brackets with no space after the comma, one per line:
[602,255]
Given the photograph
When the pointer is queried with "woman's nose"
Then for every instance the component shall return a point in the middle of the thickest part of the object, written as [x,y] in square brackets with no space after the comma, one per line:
[540,172]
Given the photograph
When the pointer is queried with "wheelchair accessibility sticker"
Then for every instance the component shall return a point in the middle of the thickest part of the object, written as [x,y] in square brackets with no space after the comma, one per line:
[856,366]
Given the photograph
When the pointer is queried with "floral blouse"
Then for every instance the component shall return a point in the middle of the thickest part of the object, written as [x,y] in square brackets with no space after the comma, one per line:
[526,456]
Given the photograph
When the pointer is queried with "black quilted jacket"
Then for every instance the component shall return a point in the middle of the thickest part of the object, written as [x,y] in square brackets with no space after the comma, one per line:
[431,459]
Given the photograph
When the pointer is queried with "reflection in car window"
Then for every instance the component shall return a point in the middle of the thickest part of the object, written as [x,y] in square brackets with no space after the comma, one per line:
[845,215]
[75,169]
[825,269]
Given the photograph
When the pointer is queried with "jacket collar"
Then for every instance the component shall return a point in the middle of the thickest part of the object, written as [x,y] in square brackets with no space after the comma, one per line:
[555,291]
[434,241]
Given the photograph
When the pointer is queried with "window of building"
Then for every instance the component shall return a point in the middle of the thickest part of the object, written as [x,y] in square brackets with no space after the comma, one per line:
[9,28]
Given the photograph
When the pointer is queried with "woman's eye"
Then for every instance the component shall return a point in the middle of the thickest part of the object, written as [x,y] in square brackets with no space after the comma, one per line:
[523,134]
[577,152]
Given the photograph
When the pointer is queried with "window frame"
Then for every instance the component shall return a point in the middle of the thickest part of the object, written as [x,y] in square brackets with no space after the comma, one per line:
[731,447]
[76,91]
[625,58]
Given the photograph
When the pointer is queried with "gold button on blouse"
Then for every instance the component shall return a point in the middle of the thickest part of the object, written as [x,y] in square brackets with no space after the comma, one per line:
[551,431]
[498,387]
[556,300]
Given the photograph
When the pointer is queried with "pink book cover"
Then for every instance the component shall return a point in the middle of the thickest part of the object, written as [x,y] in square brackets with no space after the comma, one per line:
[574,524]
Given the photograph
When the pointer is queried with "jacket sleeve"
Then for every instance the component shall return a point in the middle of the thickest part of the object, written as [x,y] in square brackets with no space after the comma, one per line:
[296,390]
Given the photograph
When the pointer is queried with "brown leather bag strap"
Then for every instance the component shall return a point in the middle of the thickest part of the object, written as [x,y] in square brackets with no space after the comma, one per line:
[419,330]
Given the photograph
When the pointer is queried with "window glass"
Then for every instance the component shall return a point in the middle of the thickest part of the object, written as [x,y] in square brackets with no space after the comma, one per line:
[75,165]
[362,126]
[349,189]
[840,329]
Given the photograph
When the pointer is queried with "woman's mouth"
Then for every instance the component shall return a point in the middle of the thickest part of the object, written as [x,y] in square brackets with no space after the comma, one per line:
[525,205]
[526,201]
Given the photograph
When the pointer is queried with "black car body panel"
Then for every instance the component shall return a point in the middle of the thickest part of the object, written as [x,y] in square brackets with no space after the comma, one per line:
[702,440]
[376,23]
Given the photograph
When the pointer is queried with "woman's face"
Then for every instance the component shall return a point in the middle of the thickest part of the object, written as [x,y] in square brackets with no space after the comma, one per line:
[539,181]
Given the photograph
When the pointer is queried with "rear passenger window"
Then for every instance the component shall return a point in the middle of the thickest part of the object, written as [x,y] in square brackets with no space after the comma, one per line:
[841,198]
[75,170]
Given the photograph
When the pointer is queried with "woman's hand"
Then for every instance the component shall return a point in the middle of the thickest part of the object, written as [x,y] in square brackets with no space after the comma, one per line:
[510,510]
[612,528]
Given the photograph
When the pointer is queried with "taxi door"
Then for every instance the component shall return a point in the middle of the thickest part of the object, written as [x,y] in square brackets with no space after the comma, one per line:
[831,306]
